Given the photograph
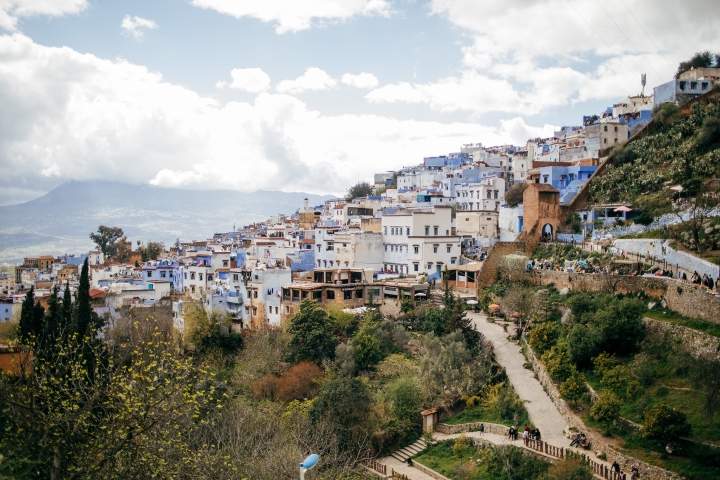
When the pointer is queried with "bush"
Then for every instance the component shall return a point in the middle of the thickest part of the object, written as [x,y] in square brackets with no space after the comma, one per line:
[607,408]
[616,379]
[645,218]
[572,467]
[543,336]
[665,425]
[574,387]
[557,362]
[604,362]
[514,196]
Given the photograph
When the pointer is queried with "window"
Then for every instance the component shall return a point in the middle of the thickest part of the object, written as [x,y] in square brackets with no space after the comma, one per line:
[162,274]
[254,311]
[604,140]
[235,277]
[435,230]
[416,249]
[429,266]
[330,295]
[467,219]
[192,276]
[317,295]
[449,248]
[408,231]
[616,140]
[255,293]
[489,194]
[605,128]
[452,260]
[149,274]
[344,245]
[386,248]
[415,267]
[200,276]
[192,289]
[185,275]
[287,309]
[435,249]
[682,85]
[358,294]
[427,230]
[693,85]
[704,85]
[277,310]
[385,230]
[616,129]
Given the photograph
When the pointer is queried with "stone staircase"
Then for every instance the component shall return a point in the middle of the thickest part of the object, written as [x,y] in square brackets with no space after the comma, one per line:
[404,453]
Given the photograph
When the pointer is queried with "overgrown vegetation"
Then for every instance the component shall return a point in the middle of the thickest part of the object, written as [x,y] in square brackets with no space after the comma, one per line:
[652,380]
[683,151]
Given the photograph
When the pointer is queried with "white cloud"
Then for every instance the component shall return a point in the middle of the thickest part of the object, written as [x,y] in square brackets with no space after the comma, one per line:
[252,80]
[296,15]
[312,80]
[69,116]
[12,10]
[361,80]
[135,26]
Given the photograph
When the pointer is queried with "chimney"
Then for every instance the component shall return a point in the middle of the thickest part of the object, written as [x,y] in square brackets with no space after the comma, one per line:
[306,203]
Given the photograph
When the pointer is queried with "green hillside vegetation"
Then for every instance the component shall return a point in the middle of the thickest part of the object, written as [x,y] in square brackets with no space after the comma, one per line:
[685,151]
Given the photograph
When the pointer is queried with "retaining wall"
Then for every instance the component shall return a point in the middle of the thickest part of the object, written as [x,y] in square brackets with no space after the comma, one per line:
[647,471]
[686,299]
[472,427]
[697,343]
[428,471]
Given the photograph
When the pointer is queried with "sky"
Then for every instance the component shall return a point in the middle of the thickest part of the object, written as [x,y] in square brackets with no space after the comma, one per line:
[310,95]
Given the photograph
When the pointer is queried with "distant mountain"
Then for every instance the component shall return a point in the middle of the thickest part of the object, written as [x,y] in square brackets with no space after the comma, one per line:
[61,220]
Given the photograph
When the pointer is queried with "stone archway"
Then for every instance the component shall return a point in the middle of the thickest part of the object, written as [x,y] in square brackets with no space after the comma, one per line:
[547,231]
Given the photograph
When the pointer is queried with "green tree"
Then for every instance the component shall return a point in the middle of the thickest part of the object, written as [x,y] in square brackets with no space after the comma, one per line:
[366,346]
[403,398]
[32,314]
[606,409]
[85,320]
[665,424]
[362,189]
[345,402]
[557,362]
[105,239]
[151,251]
[543,336]
[616,378]
[603,362]
[461,447]
[699,60]
[203,332]
[574,387]
[454,316]
[123,249]
[313,334]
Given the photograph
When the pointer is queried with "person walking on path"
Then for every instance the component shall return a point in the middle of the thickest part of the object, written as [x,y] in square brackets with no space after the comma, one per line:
[525,436]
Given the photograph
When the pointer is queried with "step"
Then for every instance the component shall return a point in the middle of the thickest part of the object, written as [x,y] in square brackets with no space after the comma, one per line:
[398,457]
[412,448]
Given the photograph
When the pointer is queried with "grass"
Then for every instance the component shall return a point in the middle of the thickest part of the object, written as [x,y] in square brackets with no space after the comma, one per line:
[676,319]
[656,233]
[440,457]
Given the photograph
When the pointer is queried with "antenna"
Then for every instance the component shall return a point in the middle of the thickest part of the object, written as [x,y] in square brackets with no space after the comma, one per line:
[643,80]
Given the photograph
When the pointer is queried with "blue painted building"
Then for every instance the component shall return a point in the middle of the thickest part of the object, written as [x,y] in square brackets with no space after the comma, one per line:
[568,180]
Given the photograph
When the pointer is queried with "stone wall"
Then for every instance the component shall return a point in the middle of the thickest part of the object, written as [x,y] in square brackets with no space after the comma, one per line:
[472,427]
[488,275]
[684,298]
[428,471]
[647,471]
[697,343]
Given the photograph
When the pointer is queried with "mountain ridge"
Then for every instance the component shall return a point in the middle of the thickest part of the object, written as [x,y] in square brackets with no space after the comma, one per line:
[60,221]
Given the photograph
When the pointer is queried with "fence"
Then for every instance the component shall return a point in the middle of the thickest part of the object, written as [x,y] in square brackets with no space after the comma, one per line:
[377,466]
[598,468]
[398,476]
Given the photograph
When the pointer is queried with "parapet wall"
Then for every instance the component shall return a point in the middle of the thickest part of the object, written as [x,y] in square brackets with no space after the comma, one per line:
[684,298]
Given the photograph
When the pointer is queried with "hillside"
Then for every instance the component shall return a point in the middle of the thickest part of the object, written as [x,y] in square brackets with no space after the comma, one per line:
[60,221]
[683,149]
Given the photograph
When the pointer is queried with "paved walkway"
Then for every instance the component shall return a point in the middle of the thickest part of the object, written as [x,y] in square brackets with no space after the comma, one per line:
[540,407]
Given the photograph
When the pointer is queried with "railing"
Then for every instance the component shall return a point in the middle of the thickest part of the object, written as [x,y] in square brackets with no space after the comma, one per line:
[598,468]
[377,466]
[398,476]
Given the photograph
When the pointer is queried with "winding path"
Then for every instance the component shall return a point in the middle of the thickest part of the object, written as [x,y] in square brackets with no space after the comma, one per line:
[540,407]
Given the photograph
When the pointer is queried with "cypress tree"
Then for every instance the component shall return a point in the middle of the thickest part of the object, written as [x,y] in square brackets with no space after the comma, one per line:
[83,310]
[53,319]
[66,319]
[27,318]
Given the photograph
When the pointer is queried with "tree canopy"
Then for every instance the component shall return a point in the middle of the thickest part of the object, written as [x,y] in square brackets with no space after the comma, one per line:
[313,334]
[699,60]
[105,239]
[362,189]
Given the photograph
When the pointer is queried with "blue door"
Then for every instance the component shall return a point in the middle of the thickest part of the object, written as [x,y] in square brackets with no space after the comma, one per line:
[438,271]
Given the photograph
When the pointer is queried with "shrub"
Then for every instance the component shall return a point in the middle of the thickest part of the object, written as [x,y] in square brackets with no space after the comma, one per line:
[583,343]
[572,467]
[644,367]
[543,336]
[616,378]
[665,424]
[604,362]
[574,387]
[557,362]
[514,196]
[607,408]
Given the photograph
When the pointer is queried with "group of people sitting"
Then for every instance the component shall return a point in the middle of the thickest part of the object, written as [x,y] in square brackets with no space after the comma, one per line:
[528,433]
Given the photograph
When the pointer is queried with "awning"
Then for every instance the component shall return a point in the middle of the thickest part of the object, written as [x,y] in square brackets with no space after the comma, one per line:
[623,209]
[677,188]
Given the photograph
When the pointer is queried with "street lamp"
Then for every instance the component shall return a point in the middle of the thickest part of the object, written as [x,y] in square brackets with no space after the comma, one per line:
[307,464]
